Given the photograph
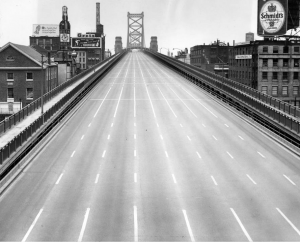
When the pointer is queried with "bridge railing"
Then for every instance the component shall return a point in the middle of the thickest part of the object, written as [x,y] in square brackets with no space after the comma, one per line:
[15,118]
[24,136]
[283,114]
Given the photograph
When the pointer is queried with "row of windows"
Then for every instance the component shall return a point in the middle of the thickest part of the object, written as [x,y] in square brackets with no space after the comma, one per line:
[29,76]
[285,62]
[284,90]
[286,49]
[240,74]
[29,93]
[246,62]
[274,75]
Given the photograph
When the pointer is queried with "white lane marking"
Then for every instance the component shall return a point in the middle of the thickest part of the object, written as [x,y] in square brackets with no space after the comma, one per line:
[229,154]
[118,103]
[134,103]
[289,180]
[108,136]
[134,136]
[134,152]
[241,137]
[198,155]
[184,103]
[214,180]
[200,103]
[59,178]
[150,100]
[188,225]
[181,125]
[226,125]
[251,179]
[167,102]
[32,225]
[293,226]
[161,137]
[97,178]
[261,154]
[241,225]
[82,137]
[86,216]
[166,154]
[90,125]
[204,125]
[157,125]
[215,137]
[174,179]
[73,153]
[101,103]
[112,124]
[188,138]
[135,177]
[103,153]
[136,228]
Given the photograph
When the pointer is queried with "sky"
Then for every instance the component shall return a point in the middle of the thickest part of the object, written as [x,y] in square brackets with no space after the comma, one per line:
[176,23]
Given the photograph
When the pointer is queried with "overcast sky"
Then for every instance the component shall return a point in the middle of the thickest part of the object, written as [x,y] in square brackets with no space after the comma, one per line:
[176,23]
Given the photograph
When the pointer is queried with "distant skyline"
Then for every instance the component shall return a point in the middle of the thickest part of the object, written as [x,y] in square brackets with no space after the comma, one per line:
[176,23]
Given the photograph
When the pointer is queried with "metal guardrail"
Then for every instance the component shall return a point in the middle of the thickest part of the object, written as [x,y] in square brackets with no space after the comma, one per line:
[7,151]
[27,110]
[286,116]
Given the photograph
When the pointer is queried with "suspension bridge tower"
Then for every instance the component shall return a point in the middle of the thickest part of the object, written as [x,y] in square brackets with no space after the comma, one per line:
[135,37]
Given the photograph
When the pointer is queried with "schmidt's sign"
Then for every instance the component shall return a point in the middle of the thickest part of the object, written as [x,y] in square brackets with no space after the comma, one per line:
[272,17]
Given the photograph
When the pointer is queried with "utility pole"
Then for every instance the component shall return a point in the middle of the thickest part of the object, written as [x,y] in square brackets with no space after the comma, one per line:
[42,90]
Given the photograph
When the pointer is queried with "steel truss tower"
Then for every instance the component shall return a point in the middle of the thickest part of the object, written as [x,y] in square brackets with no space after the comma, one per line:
[135,37]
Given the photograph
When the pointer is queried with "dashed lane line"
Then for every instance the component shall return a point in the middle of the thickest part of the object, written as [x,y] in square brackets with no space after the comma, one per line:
[214,180]
[32,225]
[103,153]
[261,154]
[86,216]
[289,180]
[251,179]
[73,153]
[174,179]
[188,225]
[97,178]
[241,225]
[58,180]
[229,155]
[198,155]
[290,223]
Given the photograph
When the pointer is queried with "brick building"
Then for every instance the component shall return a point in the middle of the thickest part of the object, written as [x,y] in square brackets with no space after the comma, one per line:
[269,66]
[153,44]
[21,75]
[213,57]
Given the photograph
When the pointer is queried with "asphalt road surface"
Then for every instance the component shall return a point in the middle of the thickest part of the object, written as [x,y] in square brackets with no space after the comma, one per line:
[149,157]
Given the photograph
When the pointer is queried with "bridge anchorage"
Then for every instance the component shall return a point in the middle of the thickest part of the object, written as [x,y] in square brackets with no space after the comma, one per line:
[135,37]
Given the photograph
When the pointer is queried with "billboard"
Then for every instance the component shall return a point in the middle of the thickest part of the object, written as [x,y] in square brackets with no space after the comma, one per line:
[272,17]
[51,30]
[86,43]
[243,57]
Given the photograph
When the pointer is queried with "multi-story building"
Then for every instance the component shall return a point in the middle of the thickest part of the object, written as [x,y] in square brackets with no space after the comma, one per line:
[118,44]
[153,44]
[21,75]
[271,67]
[213,57]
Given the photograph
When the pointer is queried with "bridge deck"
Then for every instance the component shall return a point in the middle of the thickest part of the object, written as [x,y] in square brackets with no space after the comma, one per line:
[149,157]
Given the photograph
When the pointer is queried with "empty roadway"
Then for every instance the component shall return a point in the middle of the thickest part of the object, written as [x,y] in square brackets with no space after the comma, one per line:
[150,157]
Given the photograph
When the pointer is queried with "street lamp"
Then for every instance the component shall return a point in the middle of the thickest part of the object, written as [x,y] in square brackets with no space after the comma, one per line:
[42,90]
[73,56]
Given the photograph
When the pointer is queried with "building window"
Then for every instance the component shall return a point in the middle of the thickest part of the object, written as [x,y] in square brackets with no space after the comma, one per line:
[284,90]
[29,76]
[275,62]
[285,62]
[296,75]
[265,75]
[275,49]
[296,62]
[295,90]
[10,93]
[275,76]
[265,49]
[274,90]
[264,89]
[10,76]
[29,93]
[83,59]
[83,66]
[265,62]
[296,49]
[285,49]
[284,76]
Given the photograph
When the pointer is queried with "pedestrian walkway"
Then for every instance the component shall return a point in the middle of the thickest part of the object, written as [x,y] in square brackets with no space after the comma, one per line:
[9,135]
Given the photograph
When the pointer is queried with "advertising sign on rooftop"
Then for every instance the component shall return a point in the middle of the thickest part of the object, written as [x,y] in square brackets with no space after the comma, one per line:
[50,30]
[272,17]
[86,43]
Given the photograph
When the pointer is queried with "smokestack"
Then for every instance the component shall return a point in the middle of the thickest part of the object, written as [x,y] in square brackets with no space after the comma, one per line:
[97,13]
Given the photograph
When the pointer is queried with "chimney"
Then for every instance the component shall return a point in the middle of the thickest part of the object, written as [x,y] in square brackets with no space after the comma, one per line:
[97,13]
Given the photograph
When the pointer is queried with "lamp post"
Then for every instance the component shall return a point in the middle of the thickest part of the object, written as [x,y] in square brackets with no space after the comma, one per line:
[73,56]
[42,90]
